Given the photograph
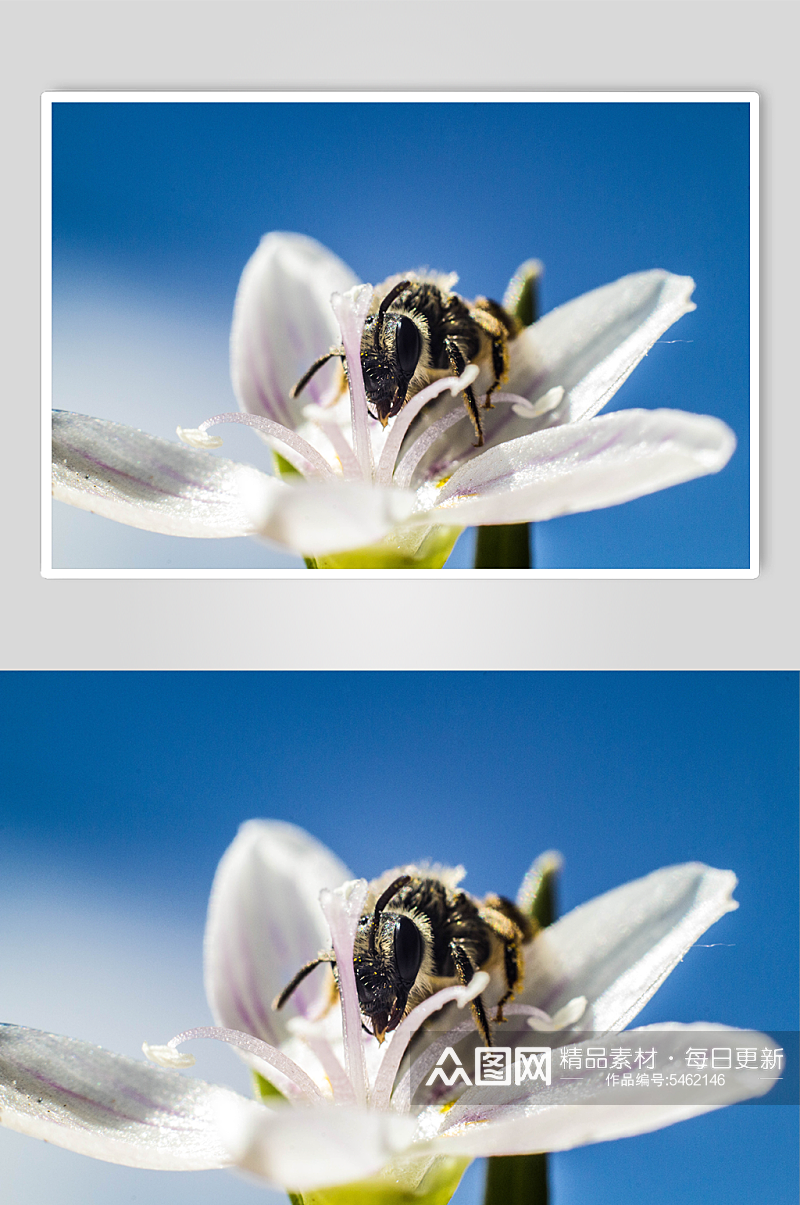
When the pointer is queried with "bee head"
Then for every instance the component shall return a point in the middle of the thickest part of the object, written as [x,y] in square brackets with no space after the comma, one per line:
[391,346]
[387,958]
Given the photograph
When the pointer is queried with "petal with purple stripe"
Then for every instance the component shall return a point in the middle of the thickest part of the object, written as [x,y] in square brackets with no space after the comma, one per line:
[617,949]
[591,345]
[586,1109]
[585,466]
[139,479]
[282,322]
[108,1106]
[264,923]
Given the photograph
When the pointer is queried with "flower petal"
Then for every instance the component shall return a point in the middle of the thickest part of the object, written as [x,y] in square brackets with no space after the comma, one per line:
[342,908]
[304,1149]
[585,1109]
[590,345]
[322,518]
[617,949]
[138,479]
[105,1105]
[264,923]
[351,309]
[584,466]
[282,321]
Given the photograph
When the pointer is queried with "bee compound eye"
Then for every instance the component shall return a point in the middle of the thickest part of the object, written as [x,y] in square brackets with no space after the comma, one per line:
[408,343]
[407,949]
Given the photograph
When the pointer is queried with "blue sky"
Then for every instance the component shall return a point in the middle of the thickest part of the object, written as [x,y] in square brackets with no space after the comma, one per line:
[123,790]
[157,207]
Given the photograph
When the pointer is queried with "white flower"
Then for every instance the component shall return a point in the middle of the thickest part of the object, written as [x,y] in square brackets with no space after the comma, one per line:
[350,1112]
[398,496]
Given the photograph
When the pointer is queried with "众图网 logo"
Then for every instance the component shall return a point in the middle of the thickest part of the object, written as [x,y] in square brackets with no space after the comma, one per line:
[493,1066]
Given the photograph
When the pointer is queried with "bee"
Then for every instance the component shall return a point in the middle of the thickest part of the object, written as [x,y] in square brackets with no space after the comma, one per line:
[418,934]
[418,331]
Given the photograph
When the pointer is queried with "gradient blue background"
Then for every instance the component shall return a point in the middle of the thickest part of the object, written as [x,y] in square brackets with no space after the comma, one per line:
[157,207]
[122,791]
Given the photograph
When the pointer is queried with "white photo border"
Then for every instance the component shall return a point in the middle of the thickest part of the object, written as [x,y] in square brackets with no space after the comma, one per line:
[49,99]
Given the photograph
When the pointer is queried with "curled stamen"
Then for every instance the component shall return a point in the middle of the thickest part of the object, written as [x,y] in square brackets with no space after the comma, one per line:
[316,465]
[542,1022]
[347,457]
[302,1085]
[566,1016]
[527,409]
[408,1085]
[167,1056]
[337,1076]
[196,438]
[410,411]
[414,455]
[460,994]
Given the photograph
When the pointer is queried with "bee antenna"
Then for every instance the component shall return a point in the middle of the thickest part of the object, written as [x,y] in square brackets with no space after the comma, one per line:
[315,367]
[389,298]
[281,999]
[390,891]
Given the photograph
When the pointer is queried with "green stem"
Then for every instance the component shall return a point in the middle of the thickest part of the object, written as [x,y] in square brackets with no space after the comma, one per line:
[506,546]
[522,1179]
[544,905]
[511,547]
[516,1180]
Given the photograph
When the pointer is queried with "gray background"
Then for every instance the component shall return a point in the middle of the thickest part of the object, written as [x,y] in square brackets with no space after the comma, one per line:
[440,623]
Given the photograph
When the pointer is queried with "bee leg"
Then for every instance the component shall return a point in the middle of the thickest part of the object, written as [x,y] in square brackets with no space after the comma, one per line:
[513,970]
[465,971]
[498,325]
[458,364]
[512,933]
